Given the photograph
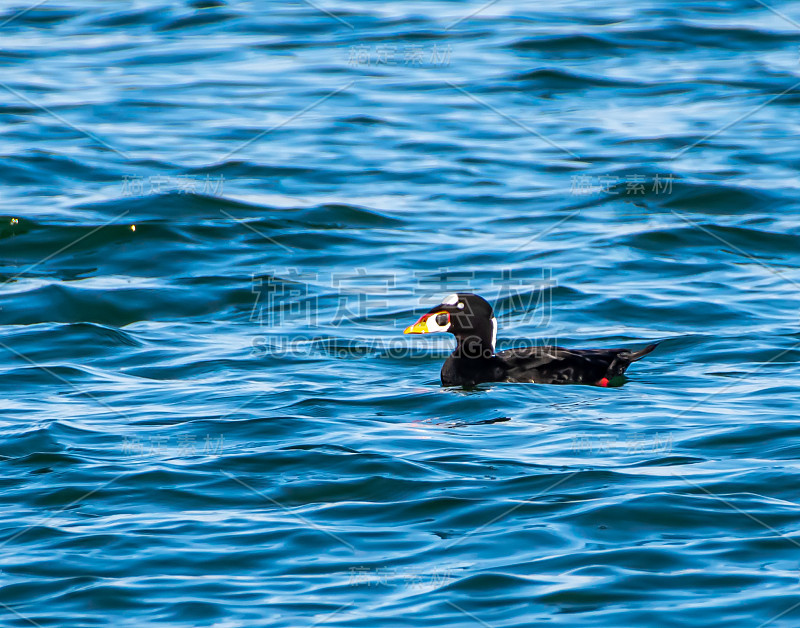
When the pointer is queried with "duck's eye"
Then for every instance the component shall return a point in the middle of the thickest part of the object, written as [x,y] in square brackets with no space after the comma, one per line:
[442,319]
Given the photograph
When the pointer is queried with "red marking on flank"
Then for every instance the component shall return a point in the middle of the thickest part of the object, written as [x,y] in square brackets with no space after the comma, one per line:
[603,382]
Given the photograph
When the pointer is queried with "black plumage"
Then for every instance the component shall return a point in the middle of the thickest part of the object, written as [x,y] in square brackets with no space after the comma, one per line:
[474,361]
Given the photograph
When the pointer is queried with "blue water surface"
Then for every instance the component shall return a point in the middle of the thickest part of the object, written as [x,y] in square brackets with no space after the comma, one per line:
[218,217]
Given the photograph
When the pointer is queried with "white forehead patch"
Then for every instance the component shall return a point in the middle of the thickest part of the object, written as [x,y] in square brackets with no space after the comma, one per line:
[450,299]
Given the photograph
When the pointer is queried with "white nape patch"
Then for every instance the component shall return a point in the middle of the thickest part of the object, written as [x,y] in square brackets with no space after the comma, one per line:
[450,299]
[494,333]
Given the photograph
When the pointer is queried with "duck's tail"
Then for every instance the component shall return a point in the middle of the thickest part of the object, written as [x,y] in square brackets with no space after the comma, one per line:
[638,355]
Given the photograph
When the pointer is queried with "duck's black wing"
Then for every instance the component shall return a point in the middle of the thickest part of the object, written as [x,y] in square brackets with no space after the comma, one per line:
[556,365]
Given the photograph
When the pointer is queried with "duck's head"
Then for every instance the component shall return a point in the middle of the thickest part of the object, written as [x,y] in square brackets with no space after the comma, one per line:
[467,316]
